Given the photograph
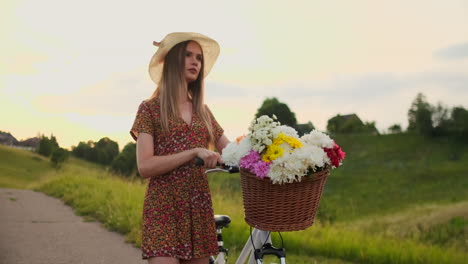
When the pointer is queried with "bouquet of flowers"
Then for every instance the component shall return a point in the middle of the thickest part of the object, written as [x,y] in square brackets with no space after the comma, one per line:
[275,151]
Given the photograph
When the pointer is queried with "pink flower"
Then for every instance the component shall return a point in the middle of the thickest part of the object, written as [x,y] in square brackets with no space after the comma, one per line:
[248,161]
[254,164]
[335,154]
[261,168]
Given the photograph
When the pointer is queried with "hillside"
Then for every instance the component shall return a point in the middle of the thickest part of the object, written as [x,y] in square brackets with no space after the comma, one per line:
[386,174]
[396,199]
[20,168]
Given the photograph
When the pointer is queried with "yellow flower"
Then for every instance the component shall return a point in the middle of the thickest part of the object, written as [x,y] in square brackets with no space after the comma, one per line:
[273,152]
[293,142]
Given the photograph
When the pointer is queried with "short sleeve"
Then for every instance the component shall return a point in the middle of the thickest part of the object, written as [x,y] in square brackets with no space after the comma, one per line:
[144,122]
[218,131]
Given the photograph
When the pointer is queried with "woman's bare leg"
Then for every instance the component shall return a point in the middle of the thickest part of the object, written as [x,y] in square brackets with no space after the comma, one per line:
[163,260]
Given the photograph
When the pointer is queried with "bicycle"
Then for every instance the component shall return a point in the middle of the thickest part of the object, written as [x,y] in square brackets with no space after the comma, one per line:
[258,244]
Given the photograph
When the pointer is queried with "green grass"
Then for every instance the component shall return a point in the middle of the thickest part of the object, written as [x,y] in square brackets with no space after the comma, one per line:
[20,168]
[397,199]
[385,174]
[118,203]
[111,200]
[333,241]
[453,233]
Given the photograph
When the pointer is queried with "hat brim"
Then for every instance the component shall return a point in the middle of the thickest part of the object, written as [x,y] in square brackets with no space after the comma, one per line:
[209,46]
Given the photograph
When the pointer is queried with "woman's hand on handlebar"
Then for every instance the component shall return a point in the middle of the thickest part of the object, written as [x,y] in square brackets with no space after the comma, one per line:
[210,158]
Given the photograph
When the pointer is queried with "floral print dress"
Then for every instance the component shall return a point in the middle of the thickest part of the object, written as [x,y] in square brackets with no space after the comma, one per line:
[177,212]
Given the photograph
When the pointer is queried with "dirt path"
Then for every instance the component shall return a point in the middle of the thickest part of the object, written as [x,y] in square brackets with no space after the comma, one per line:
[38,229]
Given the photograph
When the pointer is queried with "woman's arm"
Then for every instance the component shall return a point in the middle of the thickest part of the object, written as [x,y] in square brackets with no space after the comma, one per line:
[151,166]
[221,144]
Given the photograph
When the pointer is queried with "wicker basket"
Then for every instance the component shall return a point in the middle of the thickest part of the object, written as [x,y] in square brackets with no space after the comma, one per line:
[281,207]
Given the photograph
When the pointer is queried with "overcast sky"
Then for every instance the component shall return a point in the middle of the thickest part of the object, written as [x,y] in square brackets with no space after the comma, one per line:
[78,69]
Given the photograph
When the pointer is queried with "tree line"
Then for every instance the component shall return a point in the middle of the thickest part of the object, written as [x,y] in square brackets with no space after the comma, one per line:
[104,152]
[337,124]
[437,120]
[423,119]
[48,147]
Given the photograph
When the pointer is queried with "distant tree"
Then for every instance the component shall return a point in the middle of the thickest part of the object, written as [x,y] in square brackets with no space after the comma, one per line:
[369,127]
[303,129]
[58,157]
[420,116]
[440,120]
[395,129]
[125,163]
[82,149]
[106,150]
[47,146]
[459,123]
[271,106]
[91,155]
[350,124]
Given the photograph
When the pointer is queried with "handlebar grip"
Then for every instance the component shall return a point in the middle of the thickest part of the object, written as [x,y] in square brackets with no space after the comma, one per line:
[230,169]
[199,162]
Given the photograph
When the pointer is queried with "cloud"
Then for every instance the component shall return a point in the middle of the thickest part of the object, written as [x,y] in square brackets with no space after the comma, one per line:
[120,94]
[216,89]
[454,52]
[381,97]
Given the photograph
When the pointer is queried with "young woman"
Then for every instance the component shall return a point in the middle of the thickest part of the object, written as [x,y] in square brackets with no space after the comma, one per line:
[172,128]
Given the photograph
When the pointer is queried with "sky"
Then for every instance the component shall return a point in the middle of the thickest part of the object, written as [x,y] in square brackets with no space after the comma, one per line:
[78,69]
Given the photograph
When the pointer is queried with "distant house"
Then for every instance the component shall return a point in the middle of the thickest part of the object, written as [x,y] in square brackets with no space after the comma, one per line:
[350,123]
[7,139]
[30,143]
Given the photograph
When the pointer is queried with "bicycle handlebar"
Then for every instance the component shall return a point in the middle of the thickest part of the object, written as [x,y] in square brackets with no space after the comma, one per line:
[223,167]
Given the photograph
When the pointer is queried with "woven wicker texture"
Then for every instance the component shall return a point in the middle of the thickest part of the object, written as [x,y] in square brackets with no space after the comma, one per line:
[281,207]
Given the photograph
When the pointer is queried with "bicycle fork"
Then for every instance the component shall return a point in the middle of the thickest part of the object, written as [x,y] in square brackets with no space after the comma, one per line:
[259,245]
[268,249]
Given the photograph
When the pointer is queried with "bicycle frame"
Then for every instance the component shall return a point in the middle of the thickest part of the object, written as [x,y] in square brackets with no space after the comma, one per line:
[257,245]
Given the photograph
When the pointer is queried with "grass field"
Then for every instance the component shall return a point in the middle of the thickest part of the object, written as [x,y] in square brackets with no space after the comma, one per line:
[397,199]
[19,168]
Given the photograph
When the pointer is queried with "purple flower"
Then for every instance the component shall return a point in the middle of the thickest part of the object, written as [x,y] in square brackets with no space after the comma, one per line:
[261,168]
[248,161]
[254,164]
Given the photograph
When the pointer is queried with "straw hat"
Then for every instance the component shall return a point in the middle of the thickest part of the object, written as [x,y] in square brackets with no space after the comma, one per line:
[209,46]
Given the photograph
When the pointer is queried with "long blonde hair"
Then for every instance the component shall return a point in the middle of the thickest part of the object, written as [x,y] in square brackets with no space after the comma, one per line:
[170,87]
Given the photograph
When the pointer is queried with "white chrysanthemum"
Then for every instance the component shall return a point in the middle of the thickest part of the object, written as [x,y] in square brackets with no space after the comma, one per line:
[312,156]
[318,139]
[286,130]
[261,134]
[286,147]
[278,174]
[229,155]
[233,152]
[275,173]
[287,169]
